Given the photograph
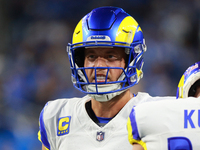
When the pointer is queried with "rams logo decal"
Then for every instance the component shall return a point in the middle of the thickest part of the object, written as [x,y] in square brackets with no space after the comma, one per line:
[63,125]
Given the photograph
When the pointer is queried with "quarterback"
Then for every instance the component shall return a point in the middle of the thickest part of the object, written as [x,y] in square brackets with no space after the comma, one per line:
[169,124]
[106,58]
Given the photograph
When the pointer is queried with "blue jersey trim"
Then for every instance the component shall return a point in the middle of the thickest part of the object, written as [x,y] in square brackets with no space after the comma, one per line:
[134,125]
[103,120]
[43,131]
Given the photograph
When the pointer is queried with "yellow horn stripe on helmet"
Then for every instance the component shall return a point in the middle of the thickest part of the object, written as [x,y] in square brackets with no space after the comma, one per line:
[78,33]
[126,30]
[180,85]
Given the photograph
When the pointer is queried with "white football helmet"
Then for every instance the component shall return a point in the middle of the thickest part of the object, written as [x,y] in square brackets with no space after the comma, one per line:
[189,81]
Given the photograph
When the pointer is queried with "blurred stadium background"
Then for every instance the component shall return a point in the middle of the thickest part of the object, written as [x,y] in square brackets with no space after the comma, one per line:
[34,66]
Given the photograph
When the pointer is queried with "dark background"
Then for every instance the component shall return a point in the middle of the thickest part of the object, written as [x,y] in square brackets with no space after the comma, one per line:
[34,65]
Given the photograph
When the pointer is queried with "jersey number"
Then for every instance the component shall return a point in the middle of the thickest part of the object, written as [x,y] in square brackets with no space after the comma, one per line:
[179,143]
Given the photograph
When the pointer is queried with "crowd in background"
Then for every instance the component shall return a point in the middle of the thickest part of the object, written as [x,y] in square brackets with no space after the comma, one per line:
[34,65]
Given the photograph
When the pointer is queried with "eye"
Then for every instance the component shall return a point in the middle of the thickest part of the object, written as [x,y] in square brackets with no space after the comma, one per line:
[91,57]
[111,57]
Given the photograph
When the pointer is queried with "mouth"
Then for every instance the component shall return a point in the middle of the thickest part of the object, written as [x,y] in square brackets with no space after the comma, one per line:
[100,78]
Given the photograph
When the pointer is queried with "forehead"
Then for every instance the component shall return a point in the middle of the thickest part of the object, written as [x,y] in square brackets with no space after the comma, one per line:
[104,50]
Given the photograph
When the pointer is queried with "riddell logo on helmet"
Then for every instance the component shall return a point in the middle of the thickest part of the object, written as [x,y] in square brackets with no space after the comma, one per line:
[98,38]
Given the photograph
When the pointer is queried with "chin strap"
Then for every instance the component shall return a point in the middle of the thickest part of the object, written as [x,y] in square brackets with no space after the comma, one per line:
[104,88]
[105,97]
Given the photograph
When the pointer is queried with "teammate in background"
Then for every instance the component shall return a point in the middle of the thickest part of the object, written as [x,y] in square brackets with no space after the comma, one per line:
[189,84]
[169,125]
[106,58]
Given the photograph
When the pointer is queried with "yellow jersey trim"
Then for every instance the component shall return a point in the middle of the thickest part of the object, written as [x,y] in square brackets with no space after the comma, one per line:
[130,136]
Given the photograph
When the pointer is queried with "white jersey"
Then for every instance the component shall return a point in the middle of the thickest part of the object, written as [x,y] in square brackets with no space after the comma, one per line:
[166,125]
[65,125]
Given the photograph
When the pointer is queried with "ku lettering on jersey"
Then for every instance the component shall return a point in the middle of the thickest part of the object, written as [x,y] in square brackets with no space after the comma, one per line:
[166,125]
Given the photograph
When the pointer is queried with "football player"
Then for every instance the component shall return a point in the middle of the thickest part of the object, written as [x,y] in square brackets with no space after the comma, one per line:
[106,58]
[169,124]
[189,84]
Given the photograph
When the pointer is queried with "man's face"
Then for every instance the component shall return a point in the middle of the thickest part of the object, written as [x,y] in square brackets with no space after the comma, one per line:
[104,57]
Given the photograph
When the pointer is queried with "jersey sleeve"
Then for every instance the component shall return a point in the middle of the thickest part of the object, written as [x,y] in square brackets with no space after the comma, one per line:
[133,133]
[42,134]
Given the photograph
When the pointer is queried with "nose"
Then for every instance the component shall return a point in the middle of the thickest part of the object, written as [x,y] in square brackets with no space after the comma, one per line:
[100,62]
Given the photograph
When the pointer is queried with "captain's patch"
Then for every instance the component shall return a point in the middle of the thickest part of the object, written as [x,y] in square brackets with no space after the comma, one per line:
[63,125]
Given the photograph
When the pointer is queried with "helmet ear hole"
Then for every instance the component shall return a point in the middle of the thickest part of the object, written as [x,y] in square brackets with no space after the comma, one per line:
[192,90]
[79,56]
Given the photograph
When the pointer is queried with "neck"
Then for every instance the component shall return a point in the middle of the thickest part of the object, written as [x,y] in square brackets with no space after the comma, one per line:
[110,108]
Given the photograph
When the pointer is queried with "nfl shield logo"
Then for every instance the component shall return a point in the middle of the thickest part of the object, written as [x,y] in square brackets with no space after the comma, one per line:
[100,136]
